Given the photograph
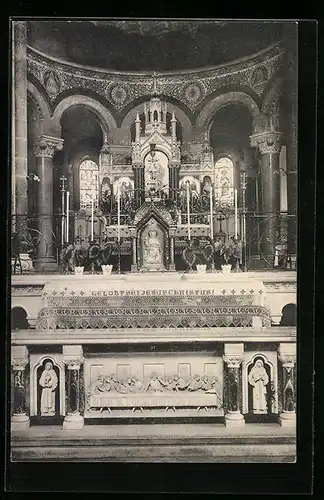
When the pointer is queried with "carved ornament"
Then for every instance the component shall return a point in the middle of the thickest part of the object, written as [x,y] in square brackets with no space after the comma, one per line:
[74,364]
[287,360]
[233,361]
[267,142]
[19,364]
[45,146]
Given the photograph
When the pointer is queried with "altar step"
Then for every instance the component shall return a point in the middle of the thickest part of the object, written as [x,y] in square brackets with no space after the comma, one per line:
[156,443]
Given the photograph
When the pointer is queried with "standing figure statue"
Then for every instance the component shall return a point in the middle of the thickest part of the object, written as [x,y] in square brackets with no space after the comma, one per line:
[258,378]
[48,381]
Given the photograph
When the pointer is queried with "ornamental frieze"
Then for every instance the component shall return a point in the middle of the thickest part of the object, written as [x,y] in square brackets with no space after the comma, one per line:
[121,89]
[27,289]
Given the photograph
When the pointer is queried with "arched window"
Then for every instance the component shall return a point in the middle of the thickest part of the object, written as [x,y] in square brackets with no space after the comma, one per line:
[89,183]
[224,180]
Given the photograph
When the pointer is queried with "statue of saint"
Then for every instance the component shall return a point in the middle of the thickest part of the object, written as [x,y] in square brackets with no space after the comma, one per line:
[258,378]
[48,381]
[152,248]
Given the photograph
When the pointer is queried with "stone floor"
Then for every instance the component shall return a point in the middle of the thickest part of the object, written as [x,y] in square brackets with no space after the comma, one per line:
[156,443]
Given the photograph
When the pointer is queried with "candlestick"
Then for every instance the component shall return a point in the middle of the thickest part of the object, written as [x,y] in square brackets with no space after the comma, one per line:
[211,214]
[235,212]
[67,215]
[118,214]
[188,211]
[63,179]
[92,213]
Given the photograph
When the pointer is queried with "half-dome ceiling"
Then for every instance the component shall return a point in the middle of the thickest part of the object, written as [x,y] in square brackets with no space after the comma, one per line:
[152,45]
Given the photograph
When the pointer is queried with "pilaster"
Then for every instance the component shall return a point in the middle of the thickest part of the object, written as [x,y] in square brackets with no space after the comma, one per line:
[73,359]
[233,357]
[287,356]
[19,361]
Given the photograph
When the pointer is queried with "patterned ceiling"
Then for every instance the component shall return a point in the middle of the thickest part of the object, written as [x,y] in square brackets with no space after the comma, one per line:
[153,45]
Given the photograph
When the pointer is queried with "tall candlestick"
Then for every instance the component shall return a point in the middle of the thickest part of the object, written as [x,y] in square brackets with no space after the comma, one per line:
[211,214]
[67,215]
[188,210]
[92,212]
[235,212]
[118,214]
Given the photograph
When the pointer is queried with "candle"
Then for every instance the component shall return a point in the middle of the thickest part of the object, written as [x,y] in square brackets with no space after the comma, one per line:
[211,214]
[118,214]
[92,212]
[235,214]
[188,210]
[67,215]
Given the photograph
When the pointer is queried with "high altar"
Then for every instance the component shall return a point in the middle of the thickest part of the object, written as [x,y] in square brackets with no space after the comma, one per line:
[161,281]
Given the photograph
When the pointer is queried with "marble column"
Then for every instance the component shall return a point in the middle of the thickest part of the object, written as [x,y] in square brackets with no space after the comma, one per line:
[19,167]
[174,170]
[73,358]
[19,360]
[269,144]
[287,357]
[292,164]
[139,184]
[134,249]
[44,149]
[233,357]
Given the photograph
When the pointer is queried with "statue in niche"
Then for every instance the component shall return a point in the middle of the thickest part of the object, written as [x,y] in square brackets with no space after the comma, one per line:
[259,379]
[153,253]
[48,381]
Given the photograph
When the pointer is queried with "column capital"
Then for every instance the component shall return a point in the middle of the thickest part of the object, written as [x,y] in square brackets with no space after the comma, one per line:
[45,146]
[267,142]
[138,166]
[287,355]
[233,360]
[19,357]
[73,356]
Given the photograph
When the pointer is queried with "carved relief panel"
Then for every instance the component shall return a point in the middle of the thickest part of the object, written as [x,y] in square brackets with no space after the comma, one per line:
[154,383]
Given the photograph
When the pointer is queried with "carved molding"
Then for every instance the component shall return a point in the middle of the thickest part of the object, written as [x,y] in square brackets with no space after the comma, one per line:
[45,146]
[191,87]
[26,289]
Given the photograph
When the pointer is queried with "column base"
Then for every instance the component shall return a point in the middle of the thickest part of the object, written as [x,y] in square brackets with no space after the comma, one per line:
[73,422]
[234,419]
[134,268]
[287,419]
[20,422]
[172,267]
[46,264]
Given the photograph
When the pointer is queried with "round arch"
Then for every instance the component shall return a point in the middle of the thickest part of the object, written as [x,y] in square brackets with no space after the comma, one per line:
[39,101]
[105,118]
[204,119]
[273,92]
[183,118]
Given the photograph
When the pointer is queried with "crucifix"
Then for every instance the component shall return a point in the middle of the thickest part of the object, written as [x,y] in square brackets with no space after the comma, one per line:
[221,217]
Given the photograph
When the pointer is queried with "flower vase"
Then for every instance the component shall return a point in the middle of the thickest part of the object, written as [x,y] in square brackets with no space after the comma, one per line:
[226,268]
[106,270]
[78,271]
[201,268]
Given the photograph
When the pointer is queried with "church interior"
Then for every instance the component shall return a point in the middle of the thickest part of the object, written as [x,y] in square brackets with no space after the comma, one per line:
[153,239]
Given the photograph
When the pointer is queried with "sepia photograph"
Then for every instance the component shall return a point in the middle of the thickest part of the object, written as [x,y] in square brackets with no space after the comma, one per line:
[153,240]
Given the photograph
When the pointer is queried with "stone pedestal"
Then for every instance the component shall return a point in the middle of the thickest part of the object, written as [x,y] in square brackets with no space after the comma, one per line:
[73,358]
[19,360]
[233,357]
[44,149]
